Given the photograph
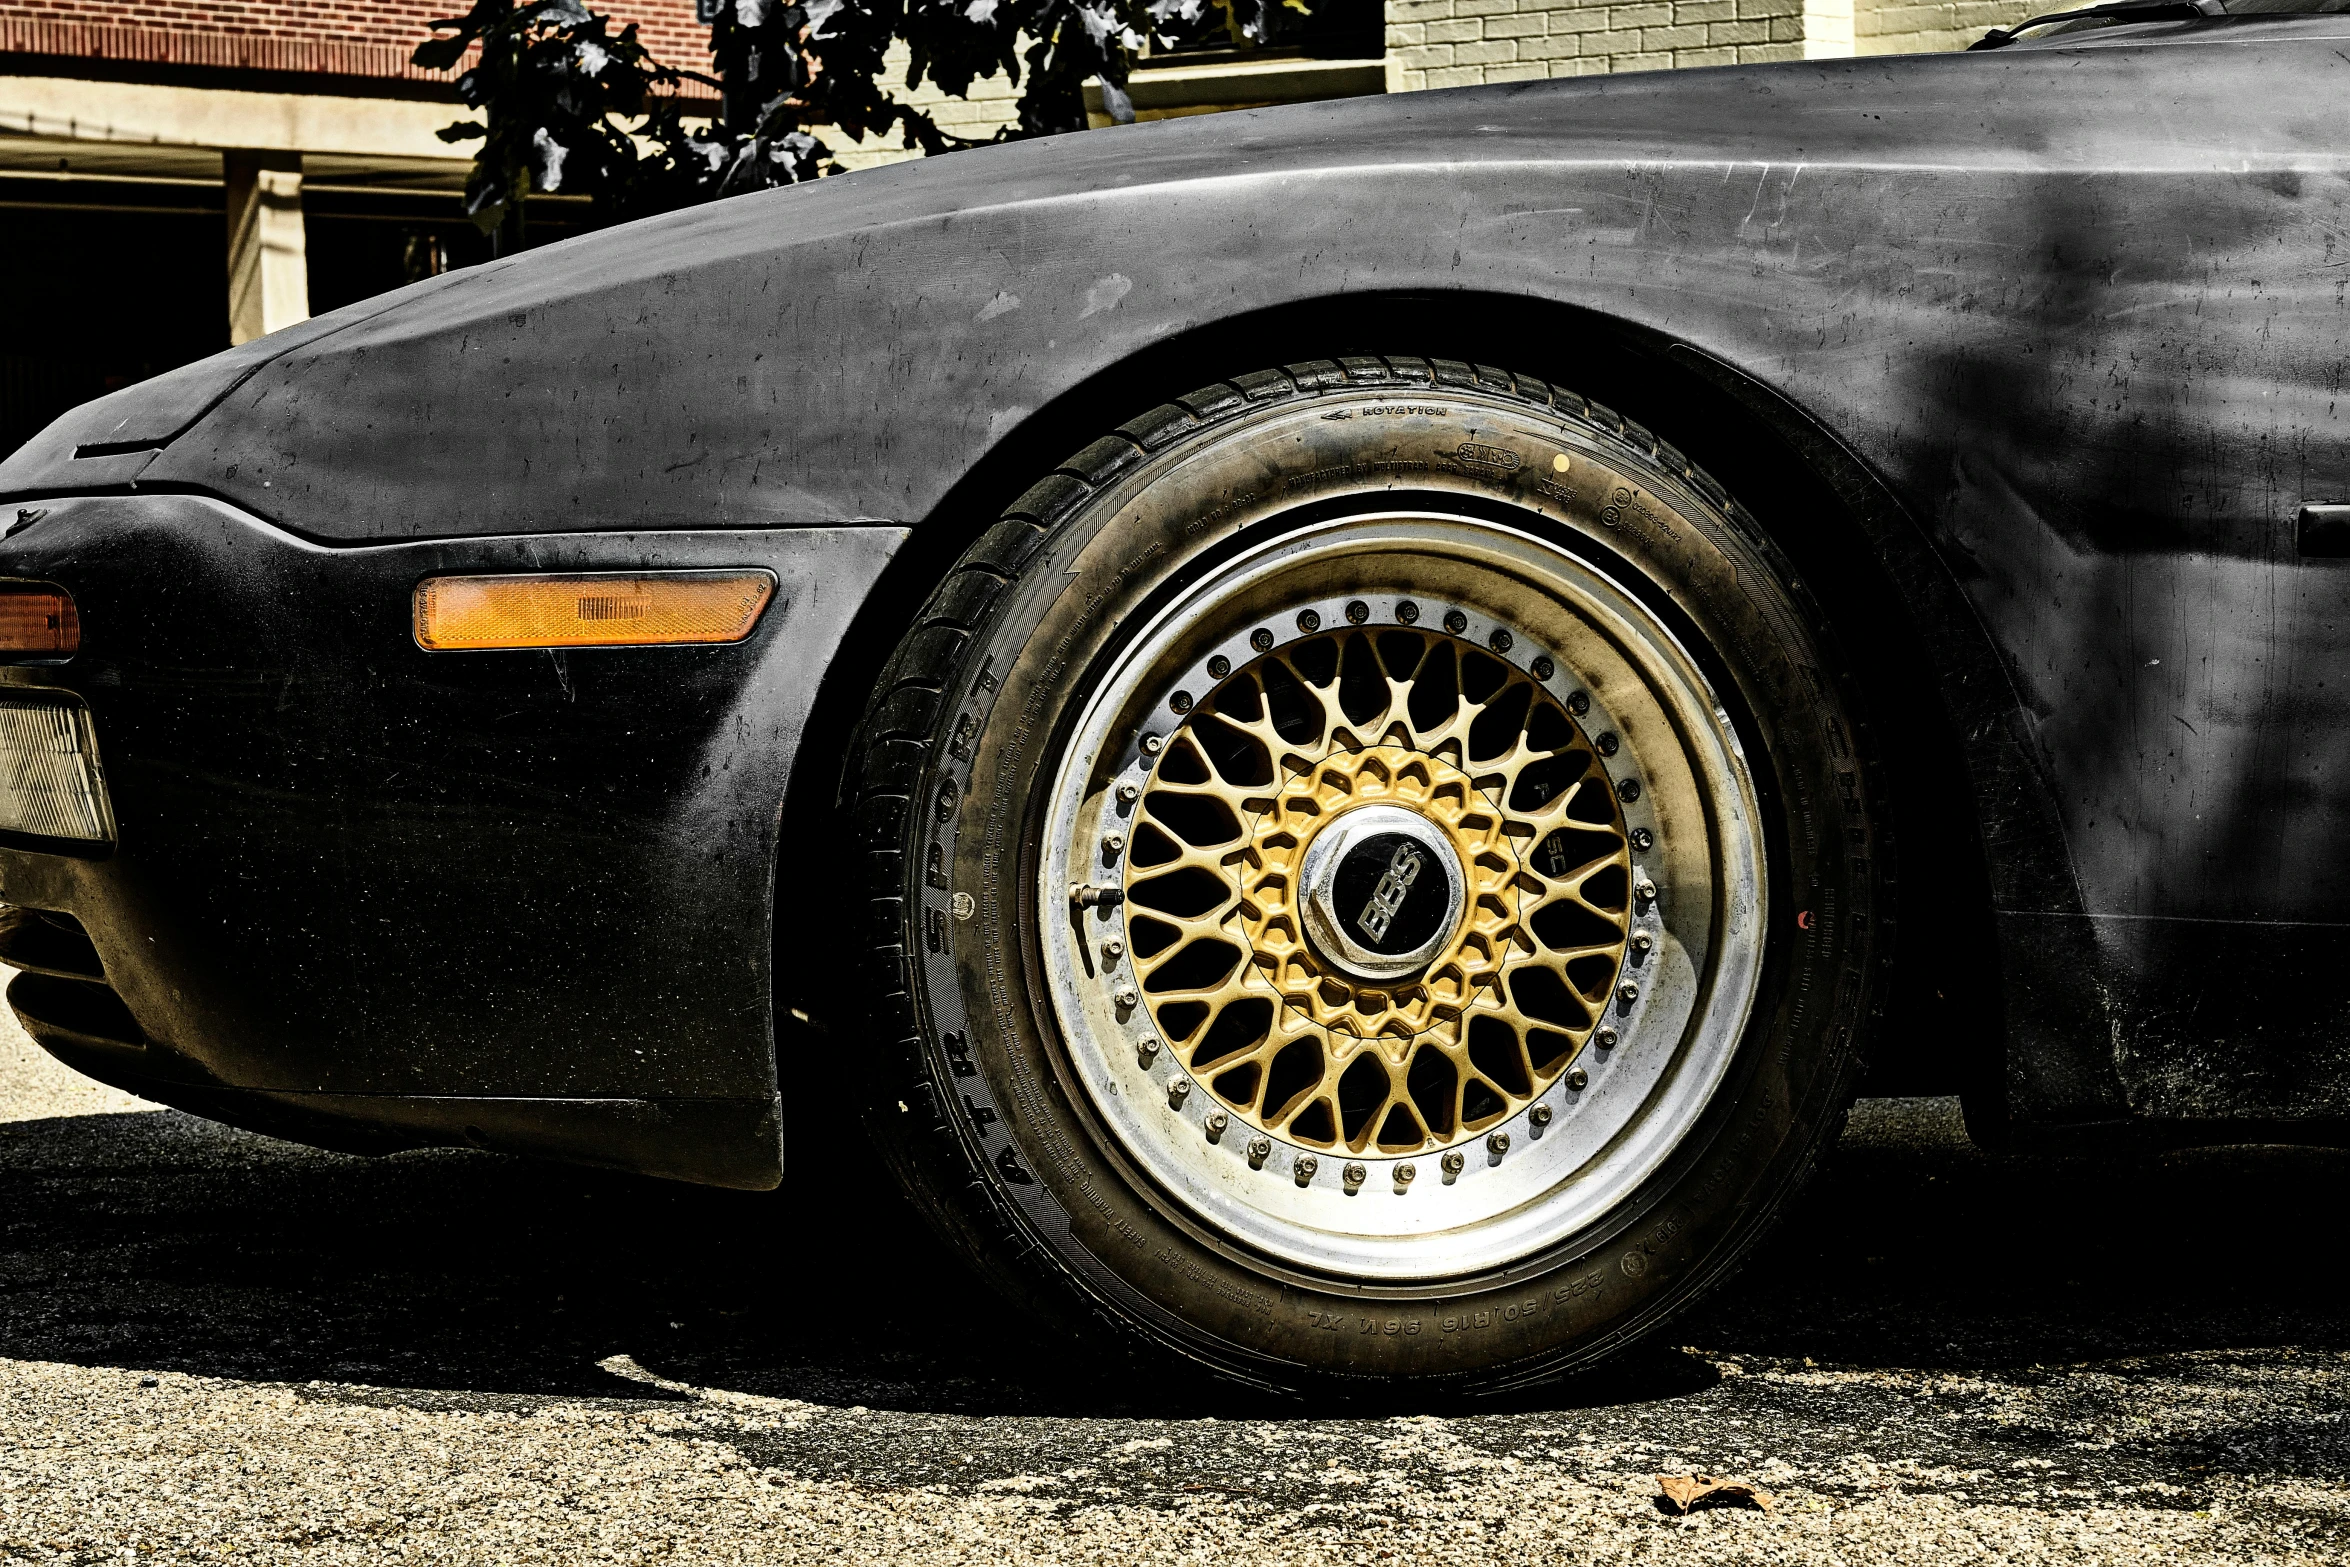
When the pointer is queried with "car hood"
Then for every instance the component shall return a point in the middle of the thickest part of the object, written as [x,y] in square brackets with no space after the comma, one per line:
[842,350]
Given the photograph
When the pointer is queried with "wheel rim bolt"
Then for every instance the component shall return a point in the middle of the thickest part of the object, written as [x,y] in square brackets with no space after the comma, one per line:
[1455,622]
[1215,1124]
[1178,1091]
[1357,612]
[1151,744]
[1498,1144]
[1128,794]
[1259,1150]
[1643,840]
[1577,1079]
[1605,1039]
[1113,842]
[1353,1175]
[1542,1113]
[1408,612]
[1641,941]
[1219,667]
[1125,996]
[1405,1174]
[1627,992]
[1147,1051]
[1305,1168]
[1452,1164]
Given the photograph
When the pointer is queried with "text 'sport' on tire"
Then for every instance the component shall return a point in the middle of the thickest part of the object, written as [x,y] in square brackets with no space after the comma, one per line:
[1373,875]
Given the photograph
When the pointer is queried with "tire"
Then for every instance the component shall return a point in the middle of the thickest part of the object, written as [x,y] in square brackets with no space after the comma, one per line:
[1172,1032]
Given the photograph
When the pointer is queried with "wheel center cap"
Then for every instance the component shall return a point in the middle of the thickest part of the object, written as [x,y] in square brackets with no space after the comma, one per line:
[1383,891]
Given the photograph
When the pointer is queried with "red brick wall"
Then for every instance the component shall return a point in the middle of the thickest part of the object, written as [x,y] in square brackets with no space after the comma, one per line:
[336,37]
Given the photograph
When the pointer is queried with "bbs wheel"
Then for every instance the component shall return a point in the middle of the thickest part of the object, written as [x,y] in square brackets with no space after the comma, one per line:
[1373,876]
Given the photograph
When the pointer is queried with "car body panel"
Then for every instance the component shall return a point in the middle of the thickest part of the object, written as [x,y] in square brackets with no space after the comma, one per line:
[2079,311]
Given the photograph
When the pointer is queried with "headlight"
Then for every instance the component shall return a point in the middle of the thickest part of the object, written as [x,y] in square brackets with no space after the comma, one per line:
[50,782]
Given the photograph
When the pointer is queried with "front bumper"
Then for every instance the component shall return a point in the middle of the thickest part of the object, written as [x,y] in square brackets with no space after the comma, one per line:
[514,899]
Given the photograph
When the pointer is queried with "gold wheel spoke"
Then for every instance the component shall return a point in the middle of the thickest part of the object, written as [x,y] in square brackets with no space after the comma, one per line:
[1462,1002]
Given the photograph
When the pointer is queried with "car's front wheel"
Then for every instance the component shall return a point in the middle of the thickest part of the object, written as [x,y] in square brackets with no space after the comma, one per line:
[1374,874]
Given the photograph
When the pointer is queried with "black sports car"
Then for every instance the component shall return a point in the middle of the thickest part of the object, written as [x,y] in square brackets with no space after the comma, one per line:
[1342,726]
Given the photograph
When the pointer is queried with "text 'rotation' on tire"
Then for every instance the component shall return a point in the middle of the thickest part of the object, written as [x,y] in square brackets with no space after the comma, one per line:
[1374,876]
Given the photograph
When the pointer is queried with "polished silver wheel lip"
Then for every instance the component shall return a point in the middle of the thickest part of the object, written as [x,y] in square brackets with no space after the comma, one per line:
[1326,923]
[1565,1162]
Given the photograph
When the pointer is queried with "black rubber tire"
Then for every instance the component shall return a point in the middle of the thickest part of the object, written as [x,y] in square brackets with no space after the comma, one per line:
[989,1136]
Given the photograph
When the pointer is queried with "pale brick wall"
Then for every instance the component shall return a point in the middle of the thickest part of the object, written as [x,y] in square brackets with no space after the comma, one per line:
[1950,24]
[1461,43]
[994,102]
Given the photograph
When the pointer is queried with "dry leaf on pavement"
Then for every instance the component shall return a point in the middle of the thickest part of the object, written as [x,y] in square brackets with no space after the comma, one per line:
[1683,1492]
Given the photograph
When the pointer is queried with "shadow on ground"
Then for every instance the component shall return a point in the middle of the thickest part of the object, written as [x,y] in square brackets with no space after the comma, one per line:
[159,1242]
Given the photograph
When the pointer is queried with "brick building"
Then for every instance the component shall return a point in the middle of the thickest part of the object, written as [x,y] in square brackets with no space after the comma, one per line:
[176,175]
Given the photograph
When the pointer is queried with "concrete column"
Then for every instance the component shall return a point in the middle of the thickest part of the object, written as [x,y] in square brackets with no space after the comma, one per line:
[1827,29]
[268,268]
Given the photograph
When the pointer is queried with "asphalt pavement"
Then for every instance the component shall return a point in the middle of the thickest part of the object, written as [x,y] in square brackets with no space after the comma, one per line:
[216,1346]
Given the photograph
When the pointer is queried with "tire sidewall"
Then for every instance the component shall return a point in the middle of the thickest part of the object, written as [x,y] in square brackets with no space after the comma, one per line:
[1032,1141]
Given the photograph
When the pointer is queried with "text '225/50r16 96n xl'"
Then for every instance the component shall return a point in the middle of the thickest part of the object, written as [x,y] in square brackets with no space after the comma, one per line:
[1336,850]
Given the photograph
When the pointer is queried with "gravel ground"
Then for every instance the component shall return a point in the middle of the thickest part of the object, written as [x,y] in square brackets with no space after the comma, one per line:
[217,1346]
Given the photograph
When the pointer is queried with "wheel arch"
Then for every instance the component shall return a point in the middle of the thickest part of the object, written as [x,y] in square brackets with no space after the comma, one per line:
[1954,759]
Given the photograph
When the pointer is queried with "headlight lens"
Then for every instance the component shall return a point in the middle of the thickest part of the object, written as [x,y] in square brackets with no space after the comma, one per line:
[50,782]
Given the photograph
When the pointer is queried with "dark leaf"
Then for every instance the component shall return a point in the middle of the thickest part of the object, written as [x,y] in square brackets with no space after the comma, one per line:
[438,54]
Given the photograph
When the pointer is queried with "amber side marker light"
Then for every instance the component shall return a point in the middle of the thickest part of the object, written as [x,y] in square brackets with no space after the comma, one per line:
[601,609]
[38,622]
